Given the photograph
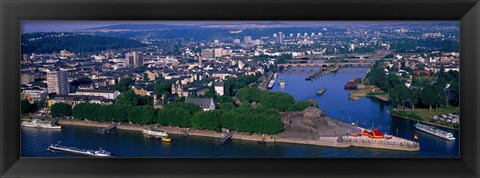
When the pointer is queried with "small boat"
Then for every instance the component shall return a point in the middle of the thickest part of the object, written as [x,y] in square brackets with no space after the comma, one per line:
[155,133]
[321,91]
[166,139]
[37,123]
[282,82]
[102,153]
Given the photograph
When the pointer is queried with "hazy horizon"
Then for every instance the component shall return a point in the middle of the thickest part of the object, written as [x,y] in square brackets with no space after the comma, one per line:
[29,26]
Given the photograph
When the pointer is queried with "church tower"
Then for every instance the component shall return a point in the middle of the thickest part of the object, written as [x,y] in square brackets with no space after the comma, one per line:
[180,90]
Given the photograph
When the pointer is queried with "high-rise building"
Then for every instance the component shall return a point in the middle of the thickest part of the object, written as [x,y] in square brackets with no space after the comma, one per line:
[207,53]
[134,59]
[236,41]
[57,82]
[199,58]
[280,37]
[128,60]
[218,52]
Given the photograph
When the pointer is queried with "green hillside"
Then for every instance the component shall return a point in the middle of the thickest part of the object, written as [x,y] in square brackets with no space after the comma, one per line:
[50,42]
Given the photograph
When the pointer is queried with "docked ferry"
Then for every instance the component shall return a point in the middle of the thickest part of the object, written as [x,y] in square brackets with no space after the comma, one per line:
[434,131]
[36,123]
[270,84]
[155,133]
[98,153]
[282,82]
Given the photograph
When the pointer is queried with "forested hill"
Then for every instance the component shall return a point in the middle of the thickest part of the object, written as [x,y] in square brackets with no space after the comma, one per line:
[52,41]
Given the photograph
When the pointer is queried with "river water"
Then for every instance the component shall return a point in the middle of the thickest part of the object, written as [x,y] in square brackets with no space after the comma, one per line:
[367,112]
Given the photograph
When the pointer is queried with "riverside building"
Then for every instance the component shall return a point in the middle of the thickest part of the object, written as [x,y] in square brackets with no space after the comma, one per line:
[57,82]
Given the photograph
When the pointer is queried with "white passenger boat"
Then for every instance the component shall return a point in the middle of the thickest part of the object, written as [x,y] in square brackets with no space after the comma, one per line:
[37,123]
[282,82]
[434,131]
[270,84]
[156,133]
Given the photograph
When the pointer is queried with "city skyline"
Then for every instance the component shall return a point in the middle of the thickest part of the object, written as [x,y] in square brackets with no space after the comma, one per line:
[241,89]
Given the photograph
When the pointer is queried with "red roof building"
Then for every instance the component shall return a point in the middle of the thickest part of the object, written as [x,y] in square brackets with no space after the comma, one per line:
[418,72]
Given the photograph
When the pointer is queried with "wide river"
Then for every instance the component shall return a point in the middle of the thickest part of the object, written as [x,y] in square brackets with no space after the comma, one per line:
[367,112]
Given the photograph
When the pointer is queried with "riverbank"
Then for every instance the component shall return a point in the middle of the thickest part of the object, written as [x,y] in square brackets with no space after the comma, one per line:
[368,91]
[328,141]
[324,141]
[422,121]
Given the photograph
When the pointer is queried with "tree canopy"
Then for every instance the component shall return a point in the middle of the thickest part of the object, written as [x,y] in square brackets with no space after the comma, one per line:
[123,85]
[61,109]
[54,42]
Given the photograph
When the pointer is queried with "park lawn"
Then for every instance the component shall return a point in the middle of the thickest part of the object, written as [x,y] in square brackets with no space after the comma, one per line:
[383,96]
[428,78]
[362,90]
[366,90]
[359,92]
[427,115]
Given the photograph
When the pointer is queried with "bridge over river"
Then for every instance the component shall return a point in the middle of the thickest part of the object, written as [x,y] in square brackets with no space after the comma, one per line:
[317,63]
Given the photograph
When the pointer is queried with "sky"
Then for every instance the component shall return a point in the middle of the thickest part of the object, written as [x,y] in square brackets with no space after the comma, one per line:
[29,26]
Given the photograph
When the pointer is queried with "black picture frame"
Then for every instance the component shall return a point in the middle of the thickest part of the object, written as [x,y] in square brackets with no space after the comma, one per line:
[13,11]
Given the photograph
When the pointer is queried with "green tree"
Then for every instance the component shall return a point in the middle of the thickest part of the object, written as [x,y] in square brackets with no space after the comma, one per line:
[399,95]
[427,96]
[413,98]
[455,94]
[162,86]
[224,99]
[61,109]
[249,94]
[141,114]
[129,98]
[439,95]
[189,107]
[25,107]
[123,85]
[73,42]
[277,100]
[174,117]
[300,106]
[207,120]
